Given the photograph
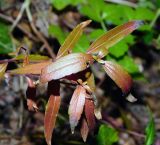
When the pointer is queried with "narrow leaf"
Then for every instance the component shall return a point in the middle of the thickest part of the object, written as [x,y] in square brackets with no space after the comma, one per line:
[65,66]
[3,68]
[34,69]
[33,57]
[72,39]
[52,109]
[76,106]
[84,129]
[89,113]
[150,132]
[118,75]
[103,43]
[91,81]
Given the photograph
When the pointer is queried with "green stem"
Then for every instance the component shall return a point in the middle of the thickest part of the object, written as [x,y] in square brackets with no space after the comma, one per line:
[155,18]
[103,26]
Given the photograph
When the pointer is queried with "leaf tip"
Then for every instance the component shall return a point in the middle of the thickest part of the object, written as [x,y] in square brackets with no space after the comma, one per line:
[85,23]
[138,23]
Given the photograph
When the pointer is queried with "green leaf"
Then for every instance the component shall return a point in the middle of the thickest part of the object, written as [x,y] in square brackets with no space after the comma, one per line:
[5,39]
[93,9]
[61,4]
[95,34]
[107,135]
[150,132]
[144,14]
[129,64]
[56,31]
[82,44]
[121,47]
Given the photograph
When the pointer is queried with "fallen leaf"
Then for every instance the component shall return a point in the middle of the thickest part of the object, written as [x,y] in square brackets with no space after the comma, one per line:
[76,106]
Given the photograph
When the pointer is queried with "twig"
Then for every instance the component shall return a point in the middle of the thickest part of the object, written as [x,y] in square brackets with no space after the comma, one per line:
[123,2]
[39,35]
[9,19]
[19,16]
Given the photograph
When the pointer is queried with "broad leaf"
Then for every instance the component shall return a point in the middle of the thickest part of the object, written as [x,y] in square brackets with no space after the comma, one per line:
[102,44]
[107,135]
[72,39]
[150,132]
[3,68]
[65,66]
[118,75]
[52,109]
[89,113]
[84,129]
[34,69]
[76,106]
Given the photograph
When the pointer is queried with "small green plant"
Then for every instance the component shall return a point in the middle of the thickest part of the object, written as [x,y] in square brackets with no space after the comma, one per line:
[73,68]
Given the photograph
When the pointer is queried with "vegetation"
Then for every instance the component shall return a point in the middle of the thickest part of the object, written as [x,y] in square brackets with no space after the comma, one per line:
[51,45]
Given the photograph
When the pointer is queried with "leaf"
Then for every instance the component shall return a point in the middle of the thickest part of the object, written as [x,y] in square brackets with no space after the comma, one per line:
[82,44]
[150,132]
[107,135]
[84,130]
[91,81]
[119,49]
[52,109]
[3,68]
[61,4]
[33,57]
[72,39]
[65,66]
[56,31]
[93,9]
[76,106]
[129,64]
[118,75]
[34,69]
[103,43]
[89,113]
[5,39]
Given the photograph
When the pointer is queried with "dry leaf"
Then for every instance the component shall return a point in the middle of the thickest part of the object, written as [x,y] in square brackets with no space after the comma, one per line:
[76,106]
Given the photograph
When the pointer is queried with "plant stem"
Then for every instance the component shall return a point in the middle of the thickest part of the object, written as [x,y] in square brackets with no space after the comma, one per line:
[155,18]
[103,25]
